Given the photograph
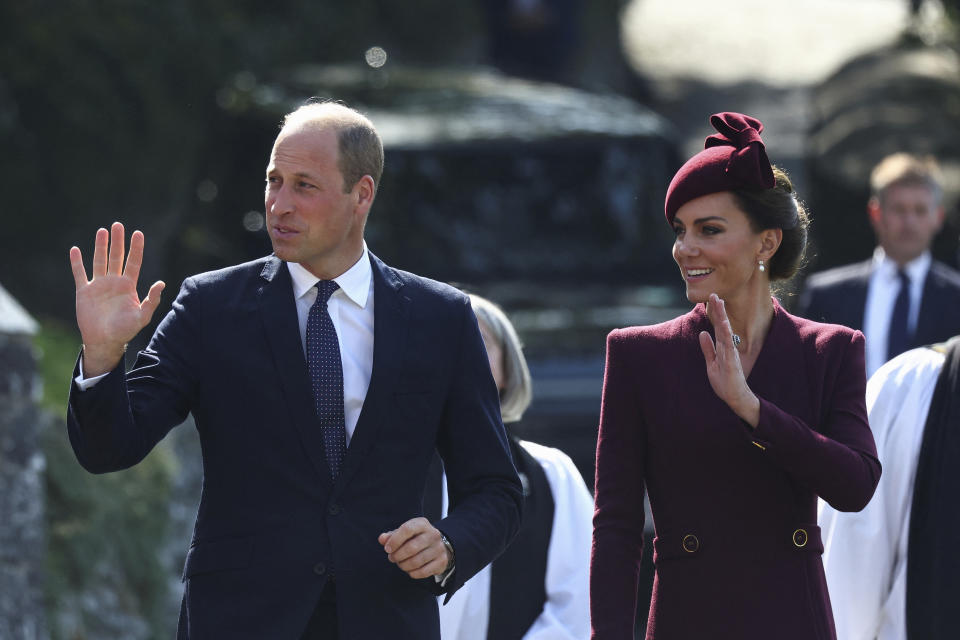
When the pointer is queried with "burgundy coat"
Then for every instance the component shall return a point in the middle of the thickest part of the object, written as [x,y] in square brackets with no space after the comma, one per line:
[738,549]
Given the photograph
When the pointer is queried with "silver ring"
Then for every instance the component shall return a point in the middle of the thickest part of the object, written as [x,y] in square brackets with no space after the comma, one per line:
[736,340]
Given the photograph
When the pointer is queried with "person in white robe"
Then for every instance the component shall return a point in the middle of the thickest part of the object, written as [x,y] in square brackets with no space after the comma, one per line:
[565,614]
[865,552]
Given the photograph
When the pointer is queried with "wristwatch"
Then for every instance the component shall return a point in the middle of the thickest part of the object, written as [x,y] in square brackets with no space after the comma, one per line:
[453,558]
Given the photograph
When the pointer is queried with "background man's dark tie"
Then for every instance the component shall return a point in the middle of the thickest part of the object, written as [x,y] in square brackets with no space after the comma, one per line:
[326,376]
[898,337]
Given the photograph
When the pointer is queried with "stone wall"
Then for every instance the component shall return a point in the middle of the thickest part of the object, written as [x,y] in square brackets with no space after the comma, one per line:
[22,540]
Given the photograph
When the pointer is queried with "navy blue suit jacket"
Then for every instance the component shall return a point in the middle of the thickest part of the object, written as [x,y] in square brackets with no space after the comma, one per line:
[839,296]
[272,525]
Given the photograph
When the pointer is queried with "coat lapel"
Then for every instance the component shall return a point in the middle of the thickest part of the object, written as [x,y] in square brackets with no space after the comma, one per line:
[279,313]
[390,322]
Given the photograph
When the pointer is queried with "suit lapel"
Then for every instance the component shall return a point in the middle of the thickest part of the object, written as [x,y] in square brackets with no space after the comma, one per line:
[858,299]
[279,313]
[927,331]
[390,322]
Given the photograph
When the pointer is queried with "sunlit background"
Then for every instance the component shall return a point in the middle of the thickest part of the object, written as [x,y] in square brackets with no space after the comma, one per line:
[529,144]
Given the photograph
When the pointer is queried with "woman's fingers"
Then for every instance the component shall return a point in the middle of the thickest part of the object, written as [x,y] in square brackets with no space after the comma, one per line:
[706,345]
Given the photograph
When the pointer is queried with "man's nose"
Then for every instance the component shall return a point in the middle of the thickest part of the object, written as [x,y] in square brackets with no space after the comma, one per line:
[279,201]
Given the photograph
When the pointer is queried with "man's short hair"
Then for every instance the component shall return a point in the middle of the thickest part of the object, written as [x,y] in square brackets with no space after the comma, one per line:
[517,389]
[905,168]
[358,143]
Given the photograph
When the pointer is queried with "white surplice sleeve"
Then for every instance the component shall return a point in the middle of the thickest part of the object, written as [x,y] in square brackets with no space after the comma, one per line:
[566,614]
[865,552]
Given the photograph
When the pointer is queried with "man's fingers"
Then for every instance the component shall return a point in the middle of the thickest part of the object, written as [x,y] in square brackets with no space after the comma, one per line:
[100,252]
[152,301]
[135,259]
[115,263]
[409,529]
[434,567]
[76,265]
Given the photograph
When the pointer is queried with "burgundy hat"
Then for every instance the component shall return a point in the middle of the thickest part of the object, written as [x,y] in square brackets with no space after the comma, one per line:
[732,159]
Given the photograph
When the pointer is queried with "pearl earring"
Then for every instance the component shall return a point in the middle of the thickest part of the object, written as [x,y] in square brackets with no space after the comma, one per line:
[760,266]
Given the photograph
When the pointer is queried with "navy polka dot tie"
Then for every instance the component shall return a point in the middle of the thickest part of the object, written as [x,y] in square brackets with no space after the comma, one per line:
[326,376]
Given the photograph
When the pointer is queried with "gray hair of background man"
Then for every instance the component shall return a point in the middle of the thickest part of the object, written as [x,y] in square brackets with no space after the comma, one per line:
[517,389]
[360,150]
[905,168]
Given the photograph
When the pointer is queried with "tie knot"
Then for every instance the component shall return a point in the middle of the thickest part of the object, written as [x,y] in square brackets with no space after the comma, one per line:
[903,278]
[325,289]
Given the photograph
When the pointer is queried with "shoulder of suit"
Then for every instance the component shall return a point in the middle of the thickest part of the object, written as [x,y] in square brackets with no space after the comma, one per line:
[245,270]
[674,329]
[822,335]
[844,275]
[945,274]
[417,286]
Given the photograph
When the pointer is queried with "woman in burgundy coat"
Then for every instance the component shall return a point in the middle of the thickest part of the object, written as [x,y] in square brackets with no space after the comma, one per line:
[735,417]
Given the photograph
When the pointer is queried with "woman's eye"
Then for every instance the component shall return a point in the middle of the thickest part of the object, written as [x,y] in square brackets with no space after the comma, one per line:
[677,231]
[709,230]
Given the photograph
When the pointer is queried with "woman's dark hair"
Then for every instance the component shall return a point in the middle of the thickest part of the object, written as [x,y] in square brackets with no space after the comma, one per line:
[778,208]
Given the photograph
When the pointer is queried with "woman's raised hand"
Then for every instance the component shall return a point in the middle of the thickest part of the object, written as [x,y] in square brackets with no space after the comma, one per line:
[109,310]
[723,364]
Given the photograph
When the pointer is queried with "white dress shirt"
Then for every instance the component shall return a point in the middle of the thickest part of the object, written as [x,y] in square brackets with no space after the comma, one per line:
[566,613]
[882,295]
[865,553]
[351,311]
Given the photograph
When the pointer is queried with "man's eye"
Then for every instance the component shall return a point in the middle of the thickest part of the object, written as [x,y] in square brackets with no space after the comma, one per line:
[304,185]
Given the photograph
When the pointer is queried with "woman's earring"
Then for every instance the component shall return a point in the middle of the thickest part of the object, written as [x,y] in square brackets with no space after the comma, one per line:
[760,266]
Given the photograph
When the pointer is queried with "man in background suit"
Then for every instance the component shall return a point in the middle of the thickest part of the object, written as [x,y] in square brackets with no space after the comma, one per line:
[900,298]
[321,381]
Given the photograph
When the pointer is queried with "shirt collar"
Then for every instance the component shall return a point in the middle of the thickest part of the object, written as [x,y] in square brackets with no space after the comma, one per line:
[916,268]
[355,281]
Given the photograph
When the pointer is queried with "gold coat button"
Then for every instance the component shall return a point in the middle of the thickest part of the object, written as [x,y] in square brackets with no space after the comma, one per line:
[800,538]
[690,543]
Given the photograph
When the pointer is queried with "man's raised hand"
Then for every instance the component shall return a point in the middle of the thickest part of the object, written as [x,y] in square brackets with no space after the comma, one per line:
[109,310]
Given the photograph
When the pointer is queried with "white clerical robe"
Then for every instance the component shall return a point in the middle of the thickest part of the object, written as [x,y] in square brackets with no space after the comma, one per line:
[566,613]
[866,552]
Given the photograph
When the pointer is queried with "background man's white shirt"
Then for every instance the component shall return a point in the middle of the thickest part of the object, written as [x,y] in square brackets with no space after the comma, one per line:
[882,292]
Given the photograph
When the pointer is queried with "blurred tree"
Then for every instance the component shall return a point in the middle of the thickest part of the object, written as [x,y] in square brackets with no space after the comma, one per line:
[121,110]
[109,110]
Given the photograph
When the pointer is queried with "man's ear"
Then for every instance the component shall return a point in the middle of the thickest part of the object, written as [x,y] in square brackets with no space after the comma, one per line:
[874,211]
[364,192]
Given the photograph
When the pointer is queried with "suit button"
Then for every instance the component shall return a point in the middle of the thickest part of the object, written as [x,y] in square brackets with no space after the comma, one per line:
[333,509]
[319,568]
[800,538]
[690,543]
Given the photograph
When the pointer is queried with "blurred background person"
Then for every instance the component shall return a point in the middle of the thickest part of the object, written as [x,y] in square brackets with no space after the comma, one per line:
[894,568]
[901,297]
[538,588]
[735,416]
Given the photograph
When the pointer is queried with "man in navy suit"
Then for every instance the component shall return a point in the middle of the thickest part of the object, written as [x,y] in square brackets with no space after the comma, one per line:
[900,298]
[321,381]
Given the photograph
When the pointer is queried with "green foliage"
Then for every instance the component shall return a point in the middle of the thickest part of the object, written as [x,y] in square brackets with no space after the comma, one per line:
[103,532]
[57,346]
